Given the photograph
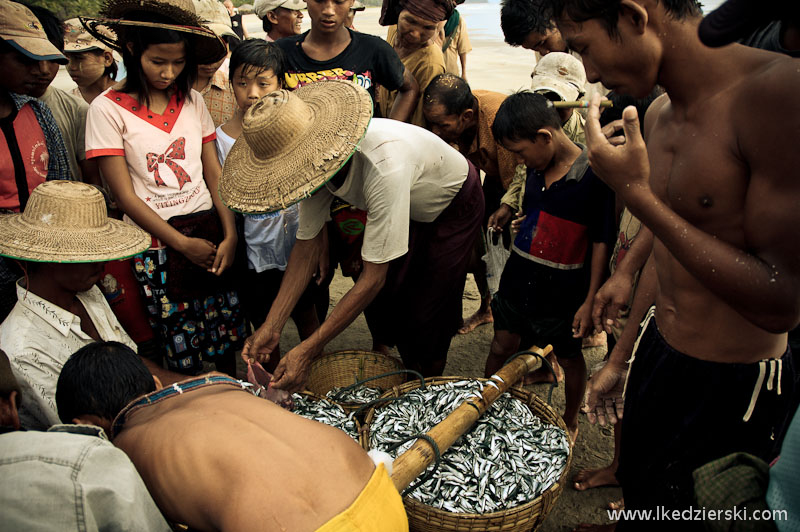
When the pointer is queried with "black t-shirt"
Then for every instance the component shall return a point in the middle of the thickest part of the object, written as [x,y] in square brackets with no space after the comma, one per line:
[367,60]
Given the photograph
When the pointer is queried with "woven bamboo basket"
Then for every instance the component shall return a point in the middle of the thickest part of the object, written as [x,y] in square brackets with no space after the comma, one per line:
[343,368]
[528,516]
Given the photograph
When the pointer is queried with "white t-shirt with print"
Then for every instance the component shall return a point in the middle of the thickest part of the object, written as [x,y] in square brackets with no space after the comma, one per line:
[163,151]
[399,172]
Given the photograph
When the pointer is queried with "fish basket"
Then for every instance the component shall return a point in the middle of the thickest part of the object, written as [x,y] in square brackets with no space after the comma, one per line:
[525,517]
[343,368]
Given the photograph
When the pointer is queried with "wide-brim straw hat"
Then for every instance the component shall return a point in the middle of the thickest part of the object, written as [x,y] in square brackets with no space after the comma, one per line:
[292,143]
[66,221]
[207,46]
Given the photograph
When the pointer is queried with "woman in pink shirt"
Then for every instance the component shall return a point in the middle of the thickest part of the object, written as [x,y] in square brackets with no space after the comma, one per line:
[154,140]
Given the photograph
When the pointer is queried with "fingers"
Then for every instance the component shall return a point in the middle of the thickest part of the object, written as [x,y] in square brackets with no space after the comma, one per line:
[216,265]
[630,125]
[594,134]
[619,407]
[609,404]
[611,129]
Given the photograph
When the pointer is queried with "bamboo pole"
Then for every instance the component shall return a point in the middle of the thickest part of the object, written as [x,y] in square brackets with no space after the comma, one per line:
[419,456]
[580,104]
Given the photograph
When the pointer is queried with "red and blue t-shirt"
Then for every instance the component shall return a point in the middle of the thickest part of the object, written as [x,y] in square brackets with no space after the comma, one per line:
[546,274]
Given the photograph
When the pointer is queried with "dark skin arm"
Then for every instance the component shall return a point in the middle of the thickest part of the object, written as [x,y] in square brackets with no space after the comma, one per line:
[292,371]
[603,398]
[582,323]
[406,100]
[762,282]
[91,172]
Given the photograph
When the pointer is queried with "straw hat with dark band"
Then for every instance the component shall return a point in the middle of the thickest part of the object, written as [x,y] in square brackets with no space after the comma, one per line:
[208,47]
[66,221]
[292,143]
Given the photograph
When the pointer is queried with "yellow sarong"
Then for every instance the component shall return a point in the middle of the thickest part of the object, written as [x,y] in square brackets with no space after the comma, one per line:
[378,508]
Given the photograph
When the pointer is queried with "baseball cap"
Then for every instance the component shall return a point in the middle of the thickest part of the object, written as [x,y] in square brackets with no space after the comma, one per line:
[23,31]
[214,16]
[77,39]
[737,19]
[262,7]
[561,73]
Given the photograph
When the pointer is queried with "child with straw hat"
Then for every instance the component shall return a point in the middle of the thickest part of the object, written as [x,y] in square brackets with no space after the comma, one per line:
[423,201]
[64,236]
[154,139]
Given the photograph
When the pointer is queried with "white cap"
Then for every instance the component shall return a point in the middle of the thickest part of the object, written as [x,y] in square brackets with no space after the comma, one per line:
[561,73]
[262,7]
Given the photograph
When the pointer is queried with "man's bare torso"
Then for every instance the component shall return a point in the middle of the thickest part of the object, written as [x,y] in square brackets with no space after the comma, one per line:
[700,166]
[218,458]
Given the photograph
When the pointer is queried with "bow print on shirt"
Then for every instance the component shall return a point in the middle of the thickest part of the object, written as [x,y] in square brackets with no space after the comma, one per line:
[175,151]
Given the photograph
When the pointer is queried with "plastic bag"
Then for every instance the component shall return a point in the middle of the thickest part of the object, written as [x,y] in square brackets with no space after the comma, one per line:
[495,259]
[260,379]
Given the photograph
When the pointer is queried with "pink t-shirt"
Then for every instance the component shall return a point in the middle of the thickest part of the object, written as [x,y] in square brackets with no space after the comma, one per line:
[163,151]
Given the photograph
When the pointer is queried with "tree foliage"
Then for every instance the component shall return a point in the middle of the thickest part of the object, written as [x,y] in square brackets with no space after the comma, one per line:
[66,9]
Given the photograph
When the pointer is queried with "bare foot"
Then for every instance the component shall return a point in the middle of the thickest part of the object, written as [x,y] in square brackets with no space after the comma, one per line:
[595,478]
[476,320]
[617,505]
[544,375]
[588,527]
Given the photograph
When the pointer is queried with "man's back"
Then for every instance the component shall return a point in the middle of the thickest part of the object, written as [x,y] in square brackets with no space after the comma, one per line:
[220,458]
[720,163]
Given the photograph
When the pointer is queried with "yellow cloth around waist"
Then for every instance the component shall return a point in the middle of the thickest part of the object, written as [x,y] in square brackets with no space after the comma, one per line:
[378,508]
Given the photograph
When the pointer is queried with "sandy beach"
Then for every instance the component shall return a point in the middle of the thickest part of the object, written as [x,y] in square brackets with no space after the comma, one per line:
[492,65]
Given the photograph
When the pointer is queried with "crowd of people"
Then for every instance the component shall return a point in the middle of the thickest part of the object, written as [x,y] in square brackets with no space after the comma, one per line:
[199,187]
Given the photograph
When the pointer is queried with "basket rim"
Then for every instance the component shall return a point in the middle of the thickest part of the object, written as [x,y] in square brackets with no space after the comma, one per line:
[553,490]
[354,356]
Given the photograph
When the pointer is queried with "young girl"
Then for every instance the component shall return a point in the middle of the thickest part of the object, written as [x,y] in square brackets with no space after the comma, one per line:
[257,68]
[91,63]
[154,137]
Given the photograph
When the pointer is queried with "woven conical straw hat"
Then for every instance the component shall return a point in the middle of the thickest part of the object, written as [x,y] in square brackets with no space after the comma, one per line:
[66,221]
[115,15]
[292,143]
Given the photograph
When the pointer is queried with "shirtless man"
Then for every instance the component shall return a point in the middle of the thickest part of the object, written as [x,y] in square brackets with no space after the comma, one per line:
[717,186]
[215,457]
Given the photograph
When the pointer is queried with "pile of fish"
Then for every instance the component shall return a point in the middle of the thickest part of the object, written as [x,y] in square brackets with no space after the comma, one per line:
[326,412]
[507,459]
[359,395]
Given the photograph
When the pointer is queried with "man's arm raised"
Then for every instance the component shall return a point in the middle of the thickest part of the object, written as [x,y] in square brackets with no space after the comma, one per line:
[292,371]
[761,284]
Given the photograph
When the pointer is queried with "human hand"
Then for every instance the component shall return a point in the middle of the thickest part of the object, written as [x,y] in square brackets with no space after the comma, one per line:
[200,251]
[611,300]
[517,223]
[293,369]
[226,252]
[582,322]
[603,399]
[500,218]
[624,166]
[261,344]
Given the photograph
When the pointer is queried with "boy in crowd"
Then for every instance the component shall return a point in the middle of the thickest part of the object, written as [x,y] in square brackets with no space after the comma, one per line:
[280,18]
[215,457]
[34,150]
[722,208]
[546,292]
[464,118]
[528,23]
[329,50]
[68,111]
[59,307]
[87,482]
